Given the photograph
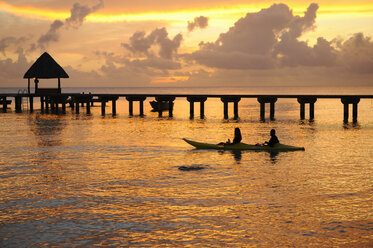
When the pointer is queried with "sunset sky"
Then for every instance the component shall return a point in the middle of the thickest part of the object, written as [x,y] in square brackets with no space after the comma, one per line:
[190,43]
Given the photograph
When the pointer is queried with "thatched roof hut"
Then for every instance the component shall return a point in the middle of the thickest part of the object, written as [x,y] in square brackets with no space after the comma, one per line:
[45,67]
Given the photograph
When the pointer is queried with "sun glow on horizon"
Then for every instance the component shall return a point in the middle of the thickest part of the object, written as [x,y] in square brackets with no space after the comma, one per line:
[229,12]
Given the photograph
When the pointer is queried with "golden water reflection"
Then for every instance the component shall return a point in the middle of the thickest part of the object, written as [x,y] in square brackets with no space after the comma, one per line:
[103,181]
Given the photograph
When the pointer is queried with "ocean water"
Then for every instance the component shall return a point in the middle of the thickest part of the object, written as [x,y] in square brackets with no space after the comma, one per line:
[90,180]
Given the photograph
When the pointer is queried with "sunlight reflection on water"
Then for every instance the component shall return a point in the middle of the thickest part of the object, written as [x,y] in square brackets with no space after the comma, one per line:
[111,181]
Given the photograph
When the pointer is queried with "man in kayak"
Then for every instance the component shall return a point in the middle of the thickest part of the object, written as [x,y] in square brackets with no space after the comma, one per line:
[274,140]
[237,138]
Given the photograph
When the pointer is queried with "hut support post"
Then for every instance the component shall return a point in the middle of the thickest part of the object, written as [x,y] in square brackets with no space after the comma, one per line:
[28,85]
[59,85]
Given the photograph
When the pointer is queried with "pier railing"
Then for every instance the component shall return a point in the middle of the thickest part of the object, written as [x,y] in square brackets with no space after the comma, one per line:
[50,101]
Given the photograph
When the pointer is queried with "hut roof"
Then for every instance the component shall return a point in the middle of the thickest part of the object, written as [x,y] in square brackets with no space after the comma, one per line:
[45,67]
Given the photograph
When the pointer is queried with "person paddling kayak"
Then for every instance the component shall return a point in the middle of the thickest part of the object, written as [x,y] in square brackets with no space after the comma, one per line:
[274,140]
[237,138]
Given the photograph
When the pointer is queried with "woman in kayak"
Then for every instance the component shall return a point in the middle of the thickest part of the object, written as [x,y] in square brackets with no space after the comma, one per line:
[237,138]
[274,140]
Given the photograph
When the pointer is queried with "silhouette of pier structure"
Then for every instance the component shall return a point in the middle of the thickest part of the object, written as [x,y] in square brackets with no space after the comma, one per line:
[52,102]
[45,67]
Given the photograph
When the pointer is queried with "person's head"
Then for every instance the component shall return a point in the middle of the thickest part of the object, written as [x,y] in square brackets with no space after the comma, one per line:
[273,132]
[237,131]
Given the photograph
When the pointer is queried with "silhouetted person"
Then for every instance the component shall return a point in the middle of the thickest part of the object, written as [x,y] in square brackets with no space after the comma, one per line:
[237,138]
[274,140]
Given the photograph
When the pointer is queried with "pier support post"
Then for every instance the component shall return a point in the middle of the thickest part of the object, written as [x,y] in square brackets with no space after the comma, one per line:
[64,108]
[226,100]
[350,100]
[42,104]
[77,107]
[132,99]
[31,101]
[56,107]
[18,103]
[201,100]
[130,106]
[354,112]
[46,104]
[303,100]
[262,110]
[88,108]
[170,100]
[114,107]
[202,110]
[103,106]
[141,108]
[225,110]
[312,110]
[191,109]
[302,111]
[5,104]
[267,99]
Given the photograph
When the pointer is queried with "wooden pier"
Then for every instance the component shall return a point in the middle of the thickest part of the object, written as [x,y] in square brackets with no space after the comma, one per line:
[50,102]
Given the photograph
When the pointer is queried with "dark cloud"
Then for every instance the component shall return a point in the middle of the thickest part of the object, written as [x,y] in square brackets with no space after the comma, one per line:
[140,43]
[51,35]
[10,41]
[12,71]
[199,22]
[356,54]
[78,13]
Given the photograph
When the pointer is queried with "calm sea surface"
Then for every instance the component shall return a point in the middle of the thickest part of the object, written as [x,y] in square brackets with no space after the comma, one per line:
[87,180]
